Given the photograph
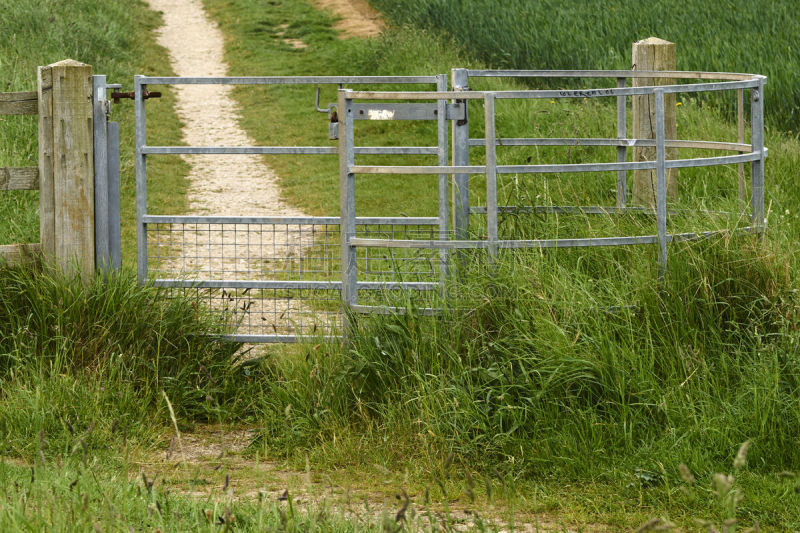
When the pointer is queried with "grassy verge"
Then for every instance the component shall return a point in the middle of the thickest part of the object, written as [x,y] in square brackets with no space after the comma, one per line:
[569,375]
[116,40]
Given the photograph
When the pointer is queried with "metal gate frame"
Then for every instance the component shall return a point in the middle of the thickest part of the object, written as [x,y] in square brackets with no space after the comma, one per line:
[107,239]
[143,150]
[445,106]
[755,153]
[731,81]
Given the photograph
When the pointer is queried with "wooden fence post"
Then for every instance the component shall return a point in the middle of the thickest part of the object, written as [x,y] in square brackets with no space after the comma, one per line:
[653,54]
[66,165]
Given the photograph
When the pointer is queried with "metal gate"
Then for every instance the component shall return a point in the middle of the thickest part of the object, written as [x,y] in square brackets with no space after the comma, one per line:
[273,278]
[107,239]
[488,236]
[284,279]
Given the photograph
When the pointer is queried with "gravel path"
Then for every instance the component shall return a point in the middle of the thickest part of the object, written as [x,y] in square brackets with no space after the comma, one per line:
[238,185]
[220,185]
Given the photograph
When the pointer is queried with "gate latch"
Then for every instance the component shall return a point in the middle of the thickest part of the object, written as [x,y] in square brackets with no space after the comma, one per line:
[333,124]
[117,95]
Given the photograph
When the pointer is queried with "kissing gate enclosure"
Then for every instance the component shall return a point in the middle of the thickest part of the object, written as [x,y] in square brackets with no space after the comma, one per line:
[282,279]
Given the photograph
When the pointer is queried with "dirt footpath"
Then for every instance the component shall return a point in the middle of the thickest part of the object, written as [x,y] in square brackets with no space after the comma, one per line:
[358,19]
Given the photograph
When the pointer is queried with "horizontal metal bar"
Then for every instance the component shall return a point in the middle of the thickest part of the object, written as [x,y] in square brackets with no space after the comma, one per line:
[414,95]
[541,169]
[574,167]
[591,210]
[539,243]
[284,80]
[711,161]
[265,339]
[299,221]
[395,150]
[405,111]
[706,145]
[550,93]
[431,169]
[629,91]
[245,284]
[544,243]
[241,284]
[389,310]
[678,74]
[287,150]
[266,150]
[418,169]
[582,209]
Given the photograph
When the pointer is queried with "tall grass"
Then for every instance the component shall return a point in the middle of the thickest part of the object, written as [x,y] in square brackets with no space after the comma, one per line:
[737,36]
[569,362]
[75,356]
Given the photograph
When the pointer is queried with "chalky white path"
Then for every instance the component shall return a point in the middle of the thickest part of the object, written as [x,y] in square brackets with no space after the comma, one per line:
[222,184]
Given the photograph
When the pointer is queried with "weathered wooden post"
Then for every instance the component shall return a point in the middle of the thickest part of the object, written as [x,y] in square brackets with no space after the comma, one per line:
[66,168]
[653,54]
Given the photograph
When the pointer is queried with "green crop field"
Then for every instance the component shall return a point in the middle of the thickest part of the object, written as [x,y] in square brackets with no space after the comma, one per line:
[731,36]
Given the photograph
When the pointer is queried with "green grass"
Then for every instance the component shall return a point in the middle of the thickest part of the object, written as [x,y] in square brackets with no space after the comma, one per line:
[80,495]
[567,367]
[117,40]
[545,34]
[76,356]
[565,386]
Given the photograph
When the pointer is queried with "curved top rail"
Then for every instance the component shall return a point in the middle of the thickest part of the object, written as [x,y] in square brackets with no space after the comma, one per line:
[753,83]
[676,74]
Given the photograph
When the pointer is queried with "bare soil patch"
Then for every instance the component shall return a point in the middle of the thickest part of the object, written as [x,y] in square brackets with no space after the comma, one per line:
[358,18]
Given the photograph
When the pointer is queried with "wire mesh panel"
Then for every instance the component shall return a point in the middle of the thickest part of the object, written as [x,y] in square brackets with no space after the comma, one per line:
[219,249]
[278,279]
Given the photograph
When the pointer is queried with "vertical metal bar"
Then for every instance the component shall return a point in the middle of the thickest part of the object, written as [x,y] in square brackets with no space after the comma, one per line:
[622,151]
[347,200]
[141,180]
[757,140]
[444,179]
[661,185]
[461,157]
[740,127]
[114,237]
[99,123]
[491,173]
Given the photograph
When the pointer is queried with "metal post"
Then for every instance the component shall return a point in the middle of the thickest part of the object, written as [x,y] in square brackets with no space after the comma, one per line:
[141,180]
[757,140]
[740,136]
[347,200]
[444,189]
[100,131]
[622,151]
[460,78]
[491,173]
[114,237]
[661,185]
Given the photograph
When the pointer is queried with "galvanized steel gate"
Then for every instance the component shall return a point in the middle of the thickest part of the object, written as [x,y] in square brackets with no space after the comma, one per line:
[277,279]
[297,271]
